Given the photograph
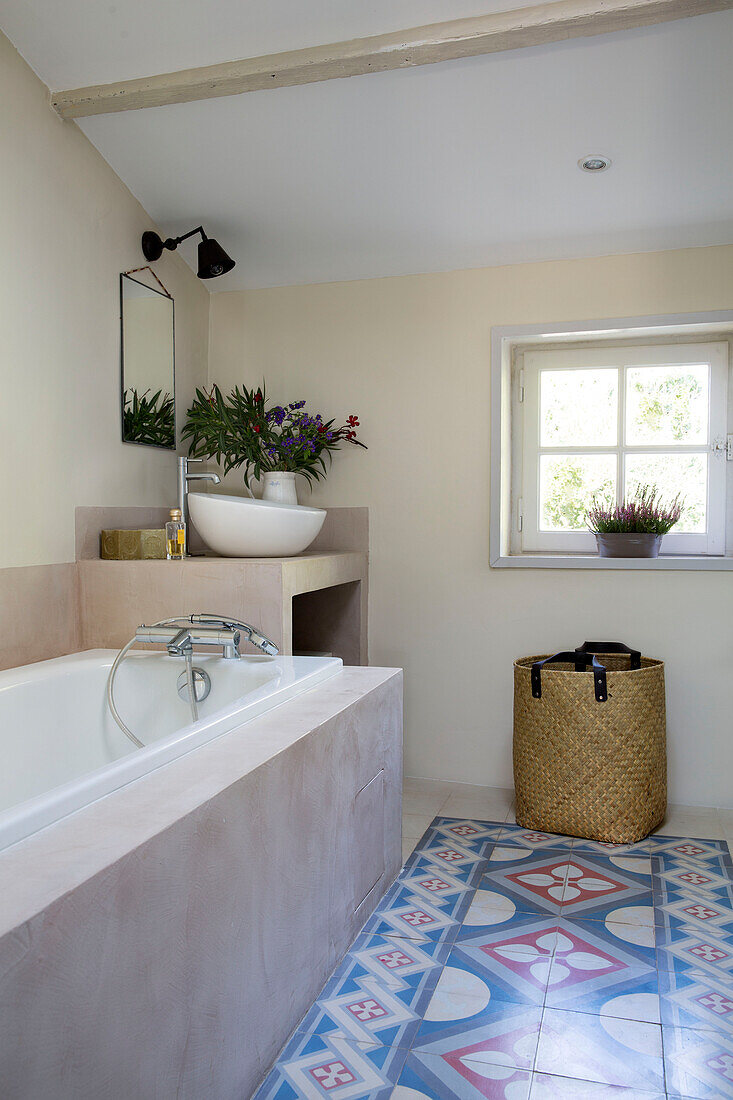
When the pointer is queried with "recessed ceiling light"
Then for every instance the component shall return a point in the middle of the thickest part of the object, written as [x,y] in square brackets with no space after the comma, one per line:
[594,163]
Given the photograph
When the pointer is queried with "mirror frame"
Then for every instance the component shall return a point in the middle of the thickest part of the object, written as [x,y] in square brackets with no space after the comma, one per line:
[163,294]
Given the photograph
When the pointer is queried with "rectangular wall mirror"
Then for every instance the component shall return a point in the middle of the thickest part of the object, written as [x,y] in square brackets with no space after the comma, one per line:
[148,363]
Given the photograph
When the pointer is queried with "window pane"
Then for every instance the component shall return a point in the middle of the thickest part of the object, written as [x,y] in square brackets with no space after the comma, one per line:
[568,484]
[667,405]
[670,474]
[579,408]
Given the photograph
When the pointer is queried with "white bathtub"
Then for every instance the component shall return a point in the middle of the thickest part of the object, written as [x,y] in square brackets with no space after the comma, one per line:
[61,749]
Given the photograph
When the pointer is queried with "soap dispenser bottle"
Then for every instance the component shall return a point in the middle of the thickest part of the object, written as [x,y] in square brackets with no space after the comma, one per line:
[175,536]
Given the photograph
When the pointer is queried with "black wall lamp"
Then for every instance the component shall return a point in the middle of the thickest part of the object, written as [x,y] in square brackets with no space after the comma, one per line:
[213,260]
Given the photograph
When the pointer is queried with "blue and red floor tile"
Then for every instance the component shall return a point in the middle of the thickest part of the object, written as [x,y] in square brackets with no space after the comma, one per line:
[517,965]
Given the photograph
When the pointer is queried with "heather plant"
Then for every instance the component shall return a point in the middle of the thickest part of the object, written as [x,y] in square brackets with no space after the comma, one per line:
[644,514]
[241,429]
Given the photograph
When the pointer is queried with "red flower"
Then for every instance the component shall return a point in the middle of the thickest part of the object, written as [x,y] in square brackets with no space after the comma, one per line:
[351,435]
[258,397]
[352,421]
[256,427]
[321,427]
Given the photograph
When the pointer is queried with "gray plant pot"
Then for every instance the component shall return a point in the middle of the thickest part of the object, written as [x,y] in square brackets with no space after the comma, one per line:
[629,546]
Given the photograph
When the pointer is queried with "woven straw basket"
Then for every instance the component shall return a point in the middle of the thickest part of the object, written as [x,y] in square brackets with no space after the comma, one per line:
[590,743]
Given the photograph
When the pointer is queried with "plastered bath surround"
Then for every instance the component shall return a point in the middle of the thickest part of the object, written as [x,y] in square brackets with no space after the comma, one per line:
[152,944]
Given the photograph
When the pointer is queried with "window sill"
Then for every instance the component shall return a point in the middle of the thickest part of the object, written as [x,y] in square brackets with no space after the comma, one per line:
[593,561]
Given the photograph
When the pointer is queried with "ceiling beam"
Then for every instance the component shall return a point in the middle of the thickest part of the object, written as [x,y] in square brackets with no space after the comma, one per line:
[508,30]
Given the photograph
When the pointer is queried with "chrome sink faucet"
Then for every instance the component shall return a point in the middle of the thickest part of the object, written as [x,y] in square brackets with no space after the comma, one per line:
[184,477]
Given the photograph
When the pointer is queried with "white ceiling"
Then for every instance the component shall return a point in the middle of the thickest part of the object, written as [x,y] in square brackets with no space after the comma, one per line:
[76,42]
[461,164]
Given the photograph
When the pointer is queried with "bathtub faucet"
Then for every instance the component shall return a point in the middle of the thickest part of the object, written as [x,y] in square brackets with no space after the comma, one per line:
[179,636]
[256,637]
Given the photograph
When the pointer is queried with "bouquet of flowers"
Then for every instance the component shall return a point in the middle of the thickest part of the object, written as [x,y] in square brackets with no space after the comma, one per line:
[242,429]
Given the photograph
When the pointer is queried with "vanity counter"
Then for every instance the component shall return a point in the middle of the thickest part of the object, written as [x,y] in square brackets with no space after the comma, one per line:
[316,602]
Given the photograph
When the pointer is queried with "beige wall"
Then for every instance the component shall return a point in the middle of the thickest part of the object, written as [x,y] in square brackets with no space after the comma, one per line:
[411,357]
[69,226]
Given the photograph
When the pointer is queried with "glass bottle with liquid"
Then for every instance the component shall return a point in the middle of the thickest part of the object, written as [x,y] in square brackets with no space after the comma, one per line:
[175,536]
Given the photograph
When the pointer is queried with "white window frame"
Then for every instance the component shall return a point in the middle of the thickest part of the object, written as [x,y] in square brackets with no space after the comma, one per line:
[529,366]
[505,342]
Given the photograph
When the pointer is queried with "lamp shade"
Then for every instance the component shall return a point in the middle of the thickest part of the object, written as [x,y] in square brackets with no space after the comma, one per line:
[213,260]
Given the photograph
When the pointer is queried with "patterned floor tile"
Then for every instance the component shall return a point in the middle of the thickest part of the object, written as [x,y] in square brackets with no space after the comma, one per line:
[701,851]
[545,1087]
[525,934]
[703,950]
[379,992]
[683,878]
[515,836]
[445,877]
[452,855]
[462,1013]
[533,881]
[511,964]
[405,912]
[602,848]
[459,1076]
[509,853]
[636,940]
[590,975]
[688,891]
[601,887]
[694,998]
[313,1067]
[677,920]
[478,836]
[606,1049]
[491,911]
[698,1064]
[513,968]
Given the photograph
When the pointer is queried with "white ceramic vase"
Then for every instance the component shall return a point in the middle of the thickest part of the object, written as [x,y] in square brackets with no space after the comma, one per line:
[279,487]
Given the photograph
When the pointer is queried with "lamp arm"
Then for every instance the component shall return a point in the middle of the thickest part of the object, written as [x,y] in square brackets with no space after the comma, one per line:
[173,242]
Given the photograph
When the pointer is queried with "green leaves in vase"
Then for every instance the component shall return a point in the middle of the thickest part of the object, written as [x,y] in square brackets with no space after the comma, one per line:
[241,429]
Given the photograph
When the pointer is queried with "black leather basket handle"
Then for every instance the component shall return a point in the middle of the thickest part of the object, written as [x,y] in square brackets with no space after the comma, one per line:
[612,647]
[581,660]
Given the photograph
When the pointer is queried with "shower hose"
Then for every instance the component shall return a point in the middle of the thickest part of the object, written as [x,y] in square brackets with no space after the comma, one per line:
[113,672]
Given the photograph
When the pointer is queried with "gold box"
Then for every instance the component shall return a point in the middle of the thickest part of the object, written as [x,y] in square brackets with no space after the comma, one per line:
[132,545]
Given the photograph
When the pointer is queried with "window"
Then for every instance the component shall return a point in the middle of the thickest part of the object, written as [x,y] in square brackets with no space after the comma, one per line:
[605,421]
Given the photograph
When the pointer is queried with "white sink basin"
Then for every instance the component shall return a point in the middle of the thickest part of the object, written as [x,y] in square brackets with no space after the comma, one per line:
[240,527]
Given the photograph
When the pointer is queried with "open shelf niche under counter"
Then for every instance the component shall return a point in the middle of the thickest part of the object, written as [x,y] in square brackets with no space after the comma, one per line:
[313,603]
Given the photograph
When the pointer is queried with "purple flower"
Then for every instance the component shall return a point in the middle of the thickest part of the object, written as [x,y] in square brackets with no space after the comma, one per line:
[277,414]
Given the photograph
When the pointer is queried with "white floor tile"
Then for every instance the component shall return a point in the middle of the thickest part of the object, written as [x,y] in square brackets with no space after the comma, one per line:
[408,847]
[726,820]
[493,808]
[471,792]
[416,785]
[422,797]
[414,802]
[693,821]
[414,825]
